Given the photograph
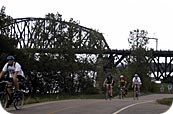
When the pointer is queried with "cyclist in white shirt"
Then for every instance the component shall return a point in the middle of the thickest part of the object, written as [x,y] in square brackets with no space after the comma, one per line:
[15,74]
[136,81]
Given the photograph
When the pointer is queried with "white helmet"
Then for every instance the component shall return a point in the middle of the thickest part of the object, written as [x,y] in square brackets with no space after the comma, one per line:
[121,76]
[136,75]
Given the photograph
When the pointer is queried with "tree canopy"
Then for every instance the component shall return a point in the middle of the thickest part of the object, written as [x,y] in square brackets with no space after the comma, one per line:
[140,58]
[51,72]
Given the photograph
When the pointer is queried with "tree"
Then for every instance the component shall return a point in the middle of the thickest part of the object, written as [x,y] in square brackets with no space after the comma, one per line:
[138,39]
[4,19]
[7,45]
[66,70]
[139,60]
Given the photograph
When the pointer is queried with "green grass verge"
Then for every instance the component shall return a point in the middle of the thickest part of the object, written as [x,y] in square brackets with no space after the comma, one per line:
[55,97]
[165,101]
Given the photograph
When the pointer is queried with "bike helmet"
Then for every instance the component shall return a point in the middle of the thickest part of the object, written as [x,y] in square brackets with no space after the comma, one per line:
[121,76]
[10,57]
[136,75]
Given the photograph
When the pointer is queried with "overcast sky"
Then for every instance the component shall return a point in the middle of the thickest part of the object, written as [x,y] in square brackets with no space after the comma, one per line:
[114,18]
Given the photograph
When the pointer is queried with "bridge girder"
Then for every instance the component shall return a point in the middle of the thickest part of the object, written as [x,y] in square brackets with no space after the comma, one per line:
[161,62]
[41,35]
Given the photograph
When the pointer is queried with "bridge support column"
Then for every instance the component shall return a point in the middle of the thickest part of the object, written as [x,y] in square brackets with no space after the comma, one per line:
[100,74]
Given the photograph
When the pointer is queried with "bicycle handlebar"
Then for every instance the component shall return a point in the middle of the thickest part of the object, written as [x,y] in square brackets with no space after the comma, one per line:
[4,81]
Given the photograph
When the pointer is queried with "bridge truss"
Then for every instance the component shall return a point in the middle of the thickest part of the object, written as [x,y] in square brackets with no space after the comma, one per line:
[41,35]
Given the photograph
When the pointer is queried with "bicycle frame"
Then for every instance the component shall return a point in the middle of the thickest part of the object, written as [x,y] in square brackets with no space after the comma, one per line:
[15,97]
[4,96]
[136,94]
[108,91]
[121,94]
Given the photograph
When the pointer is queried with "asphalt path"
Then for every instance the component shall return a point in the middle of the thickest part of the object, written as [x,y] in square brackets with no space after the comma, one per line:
[145,105]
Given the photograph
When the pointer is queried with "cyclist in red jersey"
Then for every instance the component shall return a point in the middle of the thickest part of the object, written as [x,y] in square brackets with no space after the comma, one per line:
[122,83]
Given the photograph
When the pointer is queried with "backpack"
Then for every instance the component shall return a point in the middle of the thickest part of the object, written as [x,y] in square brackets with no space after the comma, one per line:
[7,74]
[13,64]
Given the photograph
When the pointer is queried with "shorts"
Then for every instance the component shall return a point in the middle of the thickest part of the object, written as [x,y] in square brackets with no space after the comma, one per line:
[122,84]
[19,77]
[21,81]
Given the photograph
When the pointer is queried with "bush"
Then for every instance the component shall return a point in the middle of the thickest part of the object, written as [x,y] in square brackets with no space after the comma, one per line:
[91,90]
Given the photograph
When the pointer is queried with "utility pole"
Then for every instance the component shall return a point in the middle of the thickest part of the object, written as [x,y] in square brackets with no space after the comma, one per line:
[156,42]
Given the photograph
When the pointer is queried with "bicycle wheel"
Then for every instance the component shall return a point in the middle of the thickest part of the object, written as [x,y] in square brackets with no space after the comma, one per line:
[3,99]
[19,100]
[106,94]
[122,94]
[136,95]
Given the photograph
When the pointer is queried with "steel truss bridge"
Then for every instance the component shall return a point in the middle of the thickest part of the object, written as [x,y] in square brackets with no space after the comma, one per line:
[42,35]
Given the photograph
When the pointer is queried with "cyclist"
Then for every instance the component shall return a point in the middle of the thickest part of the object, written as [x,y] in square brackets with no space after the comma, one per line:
[122,83]
[108,82]
[15,74]
[136,81]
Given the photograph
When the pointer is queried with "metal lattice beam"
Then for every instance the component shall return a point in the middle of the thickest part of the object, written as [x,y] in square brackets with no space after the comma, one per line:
[42,33]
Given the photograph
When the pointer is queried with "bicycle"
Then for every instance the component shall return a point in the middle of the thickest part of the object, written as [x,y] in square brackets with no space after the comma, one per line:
[122,92]
[136,92]
[16,97]
[108,92]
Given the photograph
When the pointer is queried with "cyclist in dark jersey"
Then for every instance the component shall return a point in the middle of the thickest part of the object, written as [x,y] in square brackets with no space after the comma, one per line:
[109,82]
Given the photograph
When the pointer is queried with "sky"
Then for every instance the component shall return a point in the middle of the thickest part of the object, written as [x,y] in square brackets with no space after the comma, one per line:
[114,18]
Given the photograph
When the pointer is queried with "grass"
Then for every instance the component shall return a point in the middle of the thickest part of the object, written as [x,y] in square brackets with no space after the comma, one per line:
[54,97]
[165,101]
